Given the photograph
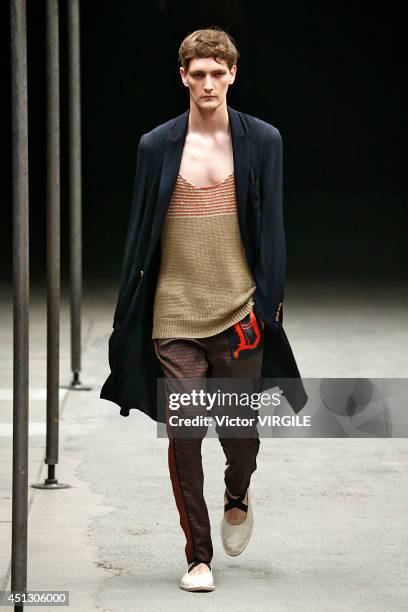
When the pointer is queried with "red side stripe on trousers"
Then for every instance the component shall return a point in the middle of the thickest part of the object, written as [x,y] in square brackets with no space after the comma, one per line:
[185,525]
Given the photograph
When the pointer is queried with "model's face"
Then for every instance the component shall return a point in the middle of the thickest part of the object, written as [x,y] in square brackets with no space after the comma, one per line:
[208,81]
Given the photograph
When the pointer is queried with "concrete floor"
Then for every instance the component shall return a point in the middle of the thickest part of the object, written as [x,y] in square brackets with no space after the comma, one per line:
[330,529]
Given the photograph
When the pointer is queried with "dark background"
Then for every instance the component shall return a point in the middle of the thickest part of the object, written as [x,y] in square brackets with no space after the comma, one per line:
[329,78]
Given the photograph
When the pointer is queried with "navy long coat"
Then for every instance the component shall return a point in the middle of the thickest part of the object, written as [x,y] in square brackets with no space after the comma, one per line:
[257,155]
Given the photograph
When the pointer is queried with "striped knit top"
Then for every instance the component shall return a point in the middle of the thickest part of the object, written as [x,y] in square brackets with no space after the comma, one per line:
[204,284]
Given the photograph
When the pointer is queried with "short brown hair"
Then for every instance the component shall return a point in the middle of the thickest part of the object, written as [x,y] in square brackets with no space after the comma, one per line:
[211,42]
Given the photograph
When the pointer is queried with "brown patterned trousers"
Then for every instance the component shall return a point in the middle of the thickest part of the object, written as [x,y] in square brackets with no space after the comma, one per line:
[235,353]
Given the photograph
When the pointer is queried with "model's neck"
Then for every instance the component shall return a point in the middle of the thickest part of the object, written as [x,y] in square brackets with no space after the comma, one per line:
[208,120]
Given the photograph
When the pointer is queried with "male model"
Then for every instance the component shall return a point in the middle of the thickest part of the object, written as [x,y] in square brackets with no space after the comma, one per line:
[202,284]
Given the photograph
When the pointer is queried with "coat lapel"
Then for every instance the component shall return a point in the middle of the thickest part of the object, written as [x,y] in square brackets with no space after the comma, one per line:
[171,165]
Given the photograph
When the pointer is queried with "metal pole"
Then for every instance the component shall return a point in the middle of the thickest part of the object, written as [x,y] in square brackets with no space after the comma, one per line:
[75,189]
[53,245]
[53,231]
[21,288]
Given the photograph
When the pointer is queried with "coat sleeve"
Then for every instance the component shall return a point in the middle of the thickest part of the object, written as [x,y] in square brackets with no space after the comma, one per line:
[270,267]
[133,232]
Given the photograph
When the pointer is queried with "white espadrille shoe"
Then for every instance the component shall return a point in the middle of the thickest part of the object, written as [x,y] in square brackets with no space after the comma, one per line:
[235,537]
[197,582]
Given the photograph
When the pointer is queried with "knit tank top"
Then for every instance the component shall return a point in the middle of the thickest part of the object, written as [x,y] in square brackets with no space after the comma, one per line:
[204,284]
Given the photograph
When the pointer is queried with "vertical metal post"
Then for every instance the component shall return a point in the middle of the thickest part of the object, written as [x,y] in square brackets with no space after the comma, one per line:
[53,244]
[21,287]
[75,188]
[53,231]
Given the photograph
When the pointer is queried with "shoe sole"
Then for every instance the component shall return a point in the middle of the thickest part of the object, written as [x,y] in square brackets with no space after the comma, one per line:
[198,589]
